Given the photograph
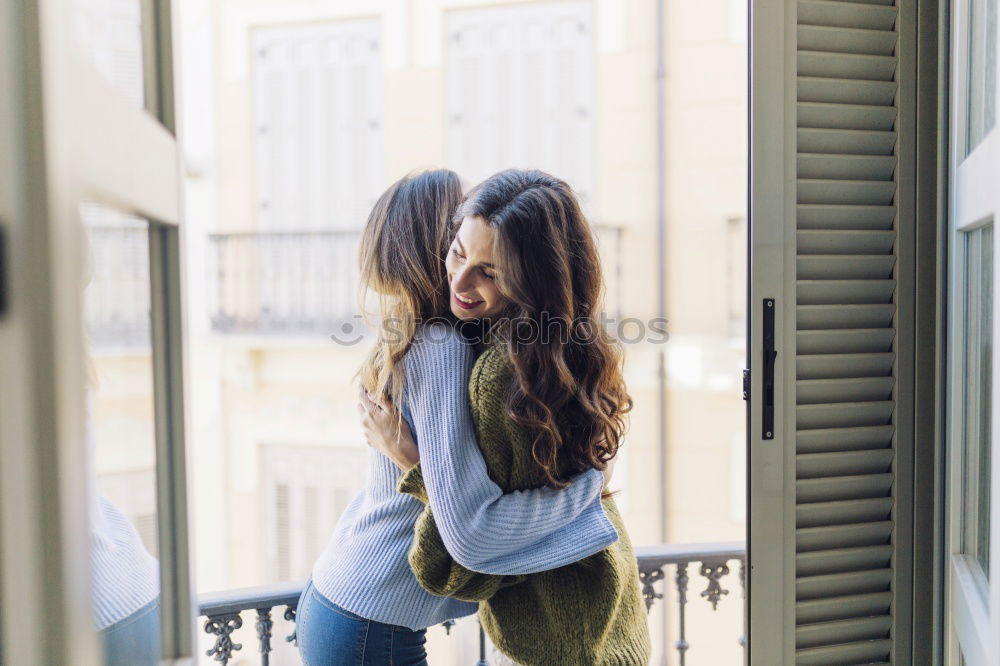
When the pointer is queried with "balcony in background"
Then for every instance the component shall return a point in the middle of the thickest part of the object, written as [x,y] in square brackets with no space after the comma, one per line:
[283,282]
[116,299]
[305,283]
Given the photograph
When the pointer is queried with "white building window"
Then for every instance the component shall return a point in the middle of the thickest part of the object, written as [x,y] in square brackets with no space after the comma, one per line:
[520,91]
[318,123]
[110,33]
[304,490]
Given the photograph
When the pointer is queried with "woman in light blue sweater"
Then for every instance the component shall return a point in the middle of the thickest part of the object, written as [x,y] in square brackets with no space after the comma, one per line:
[363,604]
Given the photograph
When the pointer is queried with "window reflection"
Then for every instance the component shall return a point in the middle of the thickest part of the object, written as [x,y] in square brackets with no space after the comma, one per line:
[120,437]
[978,342]
[109,32]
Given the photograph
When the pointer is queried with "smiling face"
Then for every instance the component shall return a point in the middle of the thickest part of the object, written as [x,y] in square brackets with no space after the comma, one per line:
[472,277]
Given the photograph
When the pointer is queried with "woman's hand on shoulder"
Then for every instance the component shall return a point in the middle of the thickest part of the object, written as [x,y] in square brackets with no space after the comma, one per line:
[386,430]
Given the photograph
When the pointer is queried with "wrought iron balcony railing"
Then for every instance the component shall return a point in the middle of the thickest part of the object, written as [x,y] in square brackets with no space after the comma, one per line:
[283,282]
[117,297]
[222,610]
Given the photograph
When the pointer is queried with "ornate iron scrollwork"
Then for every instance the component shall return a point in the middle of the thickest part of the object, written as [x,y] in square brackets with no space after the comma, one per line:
[264,626]
[714,571]
[223,626]
[290,616]
[650,577]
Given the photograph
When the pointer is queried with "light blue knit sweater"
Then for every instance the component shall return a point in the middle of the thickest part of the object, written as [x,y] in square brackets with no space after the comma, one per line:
[364,568]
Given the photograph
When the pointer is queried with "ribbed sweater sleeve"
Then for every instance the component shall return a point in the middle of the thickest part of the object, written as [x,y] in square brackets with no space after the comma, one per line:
[482,528]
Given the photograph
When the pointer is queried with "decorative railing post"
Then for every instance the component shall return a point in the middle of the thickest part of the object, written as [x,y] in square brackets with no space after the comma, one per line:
[682,586]
[290,616]
[223,627]
[264,626]
[714,571]
[648,578]
[743,597]
[482,646]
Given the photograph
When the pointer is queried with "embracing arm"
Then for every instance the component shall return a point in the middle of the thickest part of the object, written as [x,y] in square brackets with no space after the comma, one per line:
[483,528]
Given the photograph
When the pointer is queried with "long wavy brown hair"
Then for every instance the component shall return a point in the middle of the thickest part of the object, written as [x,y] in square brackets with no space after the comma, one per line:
[569,391]
[402,252]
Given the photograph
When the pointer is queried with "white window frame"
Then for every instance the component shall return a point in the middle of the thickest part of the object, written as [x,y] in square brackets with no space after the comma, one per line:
[972,618]
[78,139]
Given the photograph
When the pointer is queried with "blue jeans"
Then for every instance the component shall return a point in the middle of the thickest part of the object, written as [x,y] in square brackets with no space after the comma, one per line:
[328,635]
[135,640]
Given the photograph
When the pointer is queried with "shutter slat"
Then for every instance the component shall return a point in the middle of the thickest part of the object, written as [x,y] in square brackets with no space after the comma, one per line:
[846,91]
[819,166]
[842,536]
[845,267]
[837,608]
[842,512]
[845,142]
[887,3]
[815,391]
[840,631]
[827,366]
[846,66]
[845,341]
[846,40]
[842,584]
[863,192]
[843,463]
[845,654]
[825,440]
[843,415]
[844,217]
[842,487]
[842,560]
[846,116]
[845,292]
[846,15]
[845,242]
[826,317]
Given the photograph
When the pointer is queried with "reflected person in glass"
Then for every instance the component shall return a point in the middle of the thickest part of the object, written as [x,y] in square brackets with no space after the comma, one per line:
[125,585]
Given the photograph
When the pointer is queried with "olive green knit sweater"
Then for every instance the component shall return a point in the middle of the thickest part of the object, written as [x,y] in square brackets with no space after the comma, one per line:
[588,612]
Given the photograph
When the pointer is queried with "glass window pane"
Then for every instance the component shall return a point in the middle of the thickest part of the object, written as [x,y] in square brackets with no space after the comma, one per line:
[977,426]
[120,436]
[982,72]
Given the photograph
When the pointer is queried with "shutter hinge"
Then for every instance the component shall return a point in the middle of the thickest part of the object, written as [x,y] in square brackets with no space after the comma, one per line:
[746,383]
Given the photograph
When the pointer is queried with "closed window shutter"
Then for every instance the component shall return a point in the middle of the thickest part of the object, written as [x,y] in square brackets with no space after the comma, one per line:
[317,105]
[846,331]
[110,32]
[305,489]
[520,91]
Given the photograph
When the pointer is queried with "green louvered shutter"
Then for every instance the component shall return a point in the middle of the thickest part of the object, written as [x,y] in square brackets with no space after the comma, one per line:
[844,225]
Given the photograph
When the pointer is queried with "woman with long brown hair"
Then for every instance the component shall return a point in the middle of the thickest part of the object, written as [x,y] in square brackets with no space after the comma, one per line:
[548,401]
[363,604]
